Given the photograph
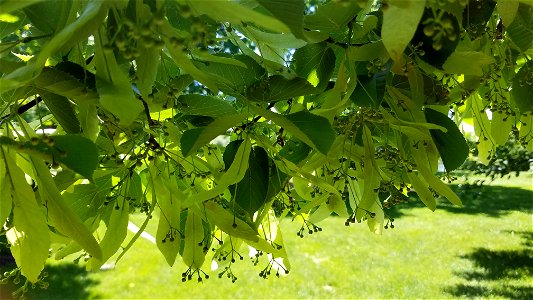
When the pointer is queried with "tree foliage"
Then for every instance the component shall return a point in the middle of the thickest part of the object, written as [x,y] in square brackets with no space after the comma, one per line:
[223,118]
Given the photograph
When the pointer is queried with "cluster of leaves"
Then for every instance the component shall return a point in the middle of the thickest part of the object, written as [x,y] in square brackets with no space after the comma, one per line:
[222,118]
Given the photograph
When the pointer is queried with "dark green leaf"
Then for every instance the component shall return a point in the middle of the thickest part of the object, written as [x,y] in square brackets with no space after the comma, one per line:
[295,150]
[40,15]
[332,16]
[65,84]
[521,30]
[276,88]
[251,192]
[63,111]
[77,153]
[452,145]
[317,58]
[289,12]
[316,128]
[230,152]
[194,139]
[523,88]
[235,78]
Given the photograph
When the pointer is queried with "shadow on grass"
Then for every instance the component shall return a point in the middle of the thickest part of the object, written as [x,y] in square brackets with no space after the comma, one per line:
[493,201]
[65,281]
[493,267]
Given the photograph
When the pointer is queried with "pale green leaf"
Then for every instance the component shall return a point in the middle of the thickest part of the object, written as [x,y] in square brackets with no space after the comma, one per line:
[147,66]
[114,87]
[501,125]
[422,190]
[116,231]
[224,220]
[193,254]
[59,213]
[467,62]
[168,236]
[29,239]
[400,21]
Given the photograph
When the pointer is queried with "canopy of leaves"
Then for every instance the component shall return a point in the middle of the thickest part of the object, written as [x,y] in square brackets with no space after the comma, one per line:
[221,118]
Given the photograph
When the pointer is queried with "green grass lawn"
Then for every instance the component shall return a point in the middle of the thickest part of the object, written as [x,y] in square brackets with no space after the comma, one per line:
[484,249]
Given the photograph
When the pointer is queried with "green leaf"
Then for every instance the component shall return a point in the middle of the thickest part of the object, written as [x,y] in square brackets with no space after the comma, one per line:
[233,12]
[422,190]
[7,6]
[117,229]
[295,150]
[370,91]
[193,254]
[77,153]
[235,79]
[250,193]
[85,199]
[500,127]
[522,88]
[315,131]
[289,12]
[332,16]
[276,40]
[400,21]
[114,87]
[371,178]
[89,20]
[224,219]
[236,161]
[64,84]
[147,66]
[39,15]
[60,214]
[520,31]
[368,52]
[507,10]
[451,144]
[317,59]
[7,27]
[89,122]
[467,62]
[29,238]
[482,129]
[276,88]
[202,105]
[420,156]
[194,139]
[63,112]
[5,189]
